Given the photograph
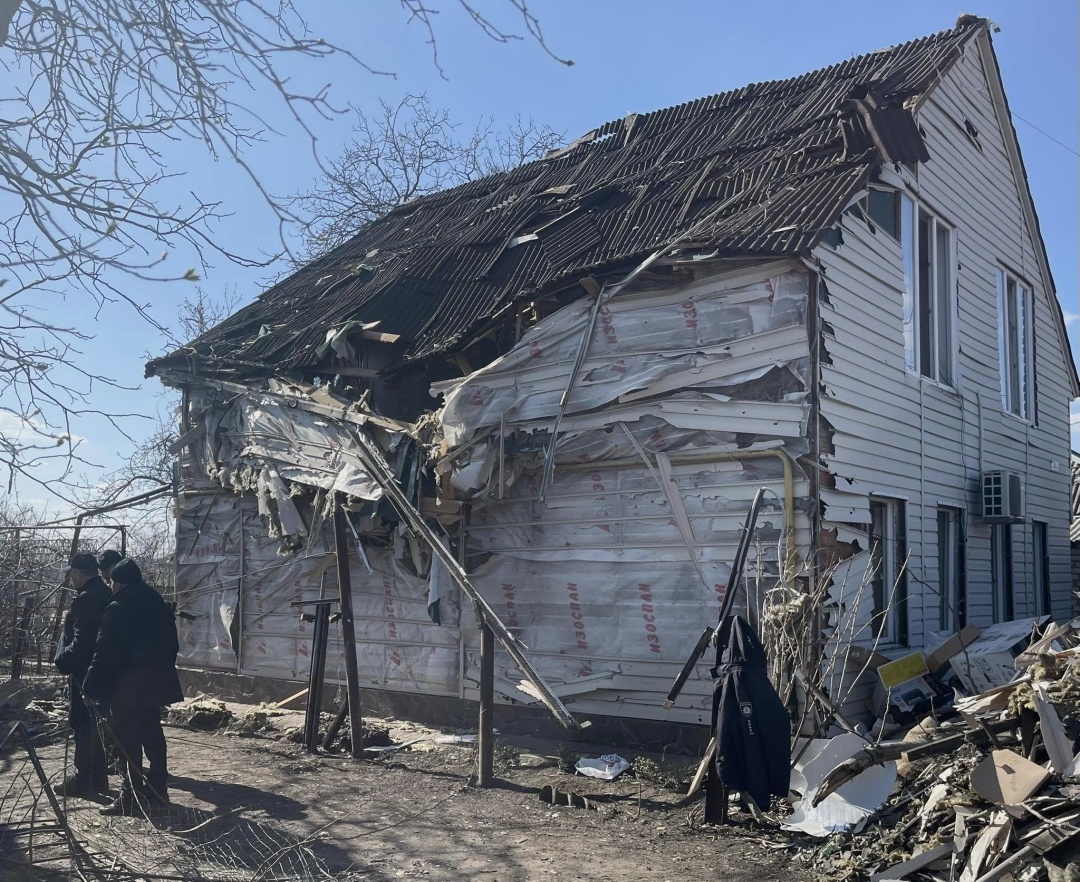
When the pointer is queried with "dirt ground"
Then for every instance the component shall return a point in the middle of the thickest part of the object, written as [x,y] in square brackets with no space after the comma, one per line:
[414,813]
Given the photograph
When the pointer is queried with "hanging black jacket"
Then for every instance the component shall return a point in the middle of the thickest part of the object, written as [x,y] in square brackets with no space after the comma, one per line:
[134,662]
[753,730]
[75,648]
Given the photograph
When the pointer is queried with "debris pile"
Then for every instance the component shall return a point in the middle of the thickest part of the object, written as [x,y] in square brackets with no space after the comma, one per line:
[376,734]
[985,787]
[205,714]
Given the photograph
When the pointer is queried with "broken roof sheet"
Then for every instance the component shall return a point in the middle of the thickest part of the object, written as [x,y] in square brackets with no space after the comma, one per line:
[764,169]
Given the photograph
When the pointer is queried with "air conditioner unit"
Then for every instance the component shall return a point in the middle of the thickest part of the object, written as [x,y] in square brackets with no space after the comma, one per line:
[1002,498]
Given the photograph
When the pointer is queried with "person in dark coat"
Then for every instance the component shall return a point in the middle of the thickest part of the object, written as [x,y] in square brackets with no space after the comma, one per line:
[74,651]
[133,672]
[106,561]
[752,727]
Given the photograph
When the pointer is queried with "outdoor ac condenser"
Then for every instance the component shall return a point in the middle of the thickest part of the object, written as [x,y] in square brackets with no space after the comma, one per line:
[1002,498]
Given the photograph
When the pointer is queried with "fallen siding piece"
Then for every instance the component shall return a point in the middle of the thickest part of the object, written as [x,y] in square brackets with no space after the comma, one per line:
[988,848]
[1058,746]
[847,806]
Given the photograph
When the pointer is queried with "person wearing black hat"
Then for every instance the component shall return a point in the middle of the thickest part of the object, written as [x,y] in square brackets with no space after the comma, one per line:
[106,561]
[74,651]
[133,671]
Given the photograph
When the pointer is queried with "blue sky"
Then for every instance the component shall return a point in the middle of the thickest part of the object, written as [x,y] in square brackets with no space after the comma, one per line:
[629,55]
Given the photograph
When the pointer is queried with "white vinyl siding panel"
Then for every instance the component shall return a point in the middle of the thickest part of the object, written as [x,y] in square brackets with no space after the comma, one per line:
[896,434]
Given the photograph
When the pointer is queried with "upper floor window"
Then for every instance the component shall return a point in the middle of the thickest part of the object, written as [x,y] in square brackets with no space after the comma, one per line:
[1015,346]
[929,332]
[880,208]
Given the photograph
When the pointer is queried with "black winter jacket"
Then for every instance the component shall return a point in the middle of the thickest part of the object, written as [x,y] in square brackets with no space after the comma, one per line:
[76,646]
[134,660]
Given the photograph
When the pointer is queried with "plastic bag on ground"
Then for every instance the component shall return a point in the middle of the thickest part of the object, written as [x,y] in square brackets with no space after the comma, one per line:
[606,768]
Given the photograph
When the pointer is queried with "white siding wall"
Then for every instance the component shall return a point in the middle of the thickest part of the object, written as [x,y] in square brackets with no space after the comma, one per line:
[900,435]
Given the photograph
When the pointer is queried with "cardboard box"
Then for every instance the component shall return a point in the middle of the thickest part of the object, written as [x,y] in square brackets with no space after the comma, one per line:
[937,659]
[989,661]
[908,667]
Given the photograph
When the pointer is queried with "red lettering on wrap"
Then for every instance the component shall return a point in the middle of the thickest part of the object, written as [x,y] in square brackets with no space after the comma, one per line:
[652,639]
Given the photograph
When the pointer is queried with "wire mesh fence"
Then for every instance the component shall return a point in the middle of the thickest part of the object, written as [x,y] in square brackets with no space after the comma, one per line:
[45,834]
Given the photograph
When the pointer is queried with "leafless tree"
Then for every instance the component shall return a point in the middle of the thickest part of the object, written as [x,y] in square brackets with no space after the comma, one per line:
[404,151]
[152,460]
[94,95]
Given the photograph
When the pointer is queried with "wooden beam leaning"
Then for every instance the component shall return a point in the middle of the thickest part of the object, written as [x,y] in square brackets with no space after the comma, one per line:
[369,458]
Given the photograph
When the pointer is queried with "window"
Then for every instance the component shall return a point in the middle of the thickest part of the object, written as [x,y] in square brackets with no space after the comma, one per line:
[1040,557]
[881,208]
[1015,346]
[929,335]
[1001,572]
[951,578]
[888,568]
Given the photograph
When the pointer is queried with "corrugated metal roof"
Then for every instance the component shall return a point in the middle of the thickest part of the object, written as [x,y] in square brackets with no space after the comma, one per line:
[774,162]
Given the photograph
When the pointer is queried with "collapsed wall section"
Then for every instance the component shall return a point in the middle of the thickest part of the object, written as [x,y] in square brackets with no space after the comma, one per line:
[689,399]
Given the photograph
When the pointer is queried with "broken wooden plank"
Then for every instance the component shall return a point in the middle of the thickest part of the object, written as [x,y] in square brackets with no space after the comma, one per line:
[281,704]
[703,768]
[916,862]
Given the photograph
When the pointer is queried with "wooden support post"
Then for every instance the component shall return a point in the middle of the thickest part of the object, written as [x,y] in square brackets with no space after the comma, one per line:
[61,596]
[22,638]
[486,735]
[335,726]
[348,633]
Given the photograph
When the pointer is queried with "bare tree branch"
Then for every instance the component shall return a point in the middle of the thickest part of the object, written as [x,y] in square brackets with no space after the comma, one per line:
[95,93]
[405,151]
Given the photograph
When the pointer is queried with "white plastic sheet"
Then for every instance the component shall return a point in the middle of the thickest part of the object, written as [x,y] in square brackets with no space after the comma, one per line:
[637,341]
[850,805]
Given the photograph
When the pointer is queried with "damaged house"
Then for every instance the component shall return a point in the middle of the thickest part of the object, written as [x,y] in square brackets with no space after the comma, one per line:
[579,372]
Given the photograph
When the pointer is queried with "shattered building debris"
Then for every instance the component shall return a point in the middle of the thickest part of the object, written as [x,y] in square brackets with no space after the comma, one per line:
[580,371]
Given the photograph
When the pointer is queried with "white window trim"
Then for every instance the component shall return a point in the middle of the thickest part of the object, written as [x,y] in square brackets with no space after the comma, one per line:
[893,571]
[913,367]
[1004,276]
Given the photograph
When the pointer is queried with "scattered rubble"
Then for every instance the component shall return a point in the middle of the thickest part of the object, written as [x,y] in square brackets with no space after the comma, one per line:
[986,787]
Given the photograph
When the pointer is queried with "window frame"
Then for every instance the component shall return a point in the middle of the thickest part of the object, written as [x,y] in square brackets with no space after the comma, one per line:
[941,302]
[889,554]
[1002,573]
[952,595]
[1024,405]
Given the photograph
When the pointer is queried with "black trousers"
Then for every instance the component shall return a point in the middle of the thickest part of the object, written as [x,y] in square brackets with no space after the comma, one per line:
[138,730]
[90,762]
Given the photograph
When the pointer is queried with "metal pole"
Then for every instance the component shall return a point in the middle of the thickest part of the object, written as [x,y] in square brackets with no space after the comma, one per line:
[315,678]
[486,737]
[348,633]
